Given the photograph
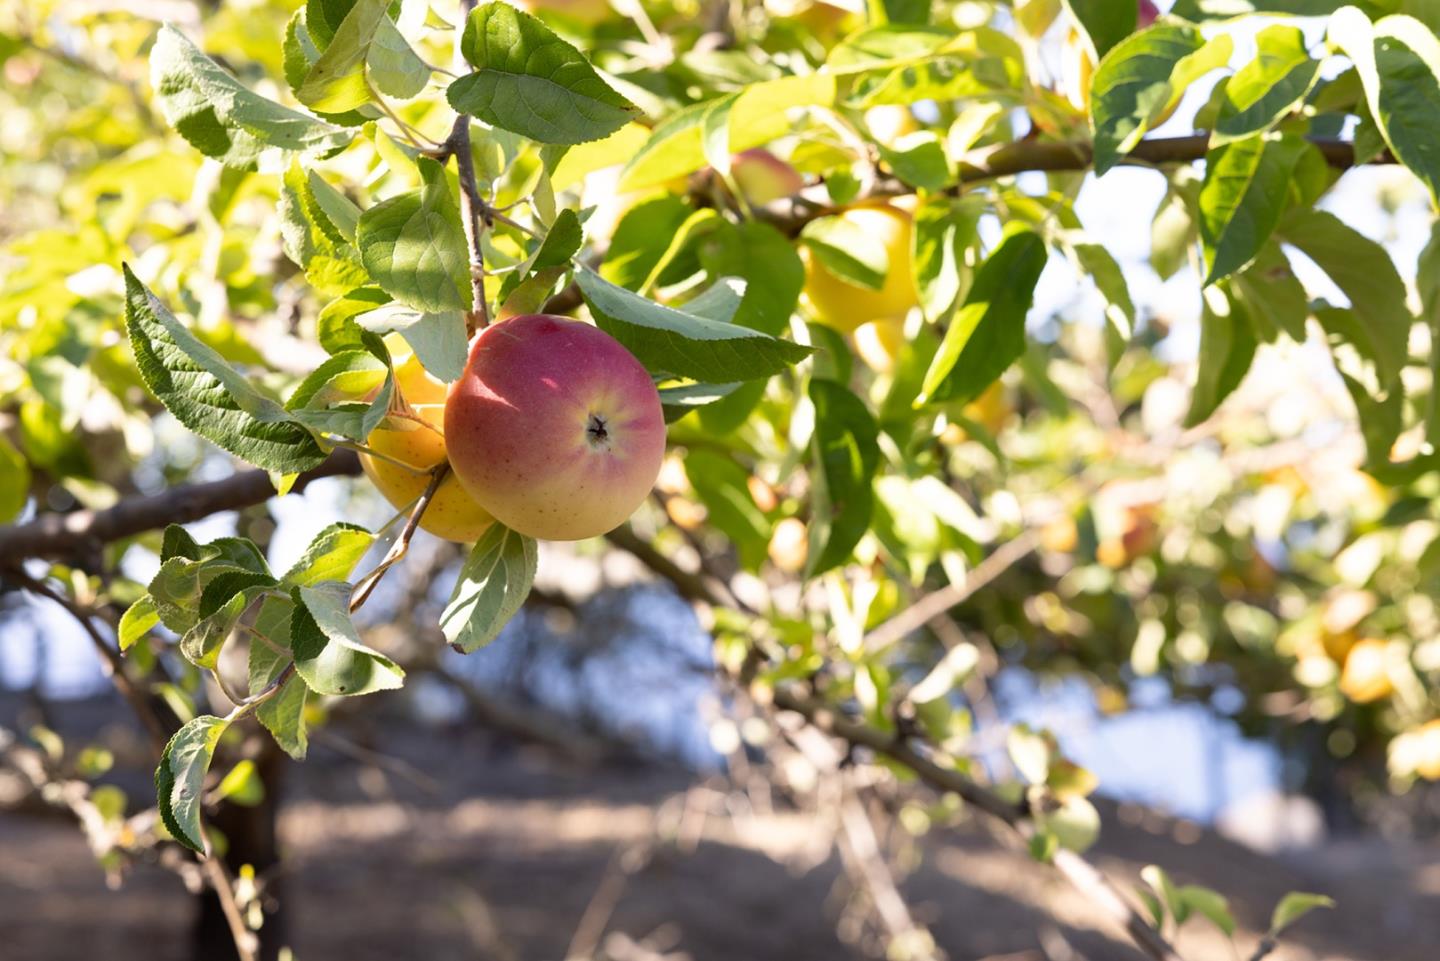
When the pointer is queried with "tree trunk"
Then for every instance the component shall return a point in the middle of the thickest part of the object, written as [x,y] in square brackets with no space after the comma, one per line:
[252,835]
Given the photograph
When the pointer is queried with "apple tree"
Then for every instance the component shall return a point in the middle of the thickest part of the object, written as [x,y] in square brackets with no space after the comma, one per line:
[748,290]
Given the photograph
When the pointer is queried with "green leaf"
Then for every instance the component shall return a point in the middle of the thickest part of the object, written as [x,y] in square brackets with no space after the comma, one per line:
[300,55]
[414,246]
[336,327]
[1267,88]
[1363,271]
[987,334]
[394,66]
[312,242]
[683,344]
[340,211]
[846,453]
[766,260]
[677,144]
[1169,894]
[331,556]
[493,584]
[206,394]
[1294,906]
[562,241]
[847,251]
[14,480]
[180,778]
[283,715]
[531,82]
[641,238]
[137,621]
[921,162]
[1210,905]
[715,135]
[326,400]
[1075,824]
[944,229]
[1272,294]
[438,339]
[721,485]
[1244,194]
[336,82]
[1140,78]
[1104,23]
[1227,347]
[177,542]
[1398,61]
[240,785]
[223,601]
[1427,282]
[1096,262]
[1031,752]
[680,400]
[222,119]
[328,652]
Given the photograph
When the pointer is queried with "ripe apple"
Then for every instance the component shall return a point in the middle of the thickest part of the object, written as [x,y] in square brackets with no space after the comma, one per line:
[452,514]
[879,343]
[844,306]
[763,177]
[554,428]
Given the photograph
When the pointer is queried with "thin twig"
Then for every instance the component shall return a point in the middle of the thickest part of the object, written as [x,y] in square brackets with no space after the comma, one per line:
[246,944]
[938,602]
[366,585]
[113,665]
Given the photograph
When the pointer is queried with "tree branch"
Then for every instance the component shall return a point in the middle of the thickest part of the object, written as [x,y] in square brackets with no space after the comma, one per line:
[474,212]
[68,535]
[474,217]
[1022,156]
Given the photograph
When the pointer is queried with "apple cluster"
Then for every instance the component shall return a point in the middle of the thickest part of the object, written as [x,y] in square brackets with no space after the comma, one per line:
[556,430]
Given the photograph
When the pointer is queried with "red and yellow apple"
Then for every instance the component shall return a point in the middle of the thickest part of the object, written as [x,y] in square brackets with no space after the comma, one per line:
[452,514]
[763,177]
[845,306]
[554,428]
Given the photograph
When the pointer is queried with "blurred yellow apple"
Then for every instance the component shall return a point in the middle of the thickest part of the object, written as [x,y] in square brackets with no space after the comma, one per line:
[879,343]
[790,545]
[420,443]
[845,306]
[1366,675]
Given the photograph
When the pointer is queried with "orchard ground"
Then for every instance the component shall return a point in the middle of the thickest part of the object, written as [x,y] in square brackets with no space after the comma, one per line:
[505,858]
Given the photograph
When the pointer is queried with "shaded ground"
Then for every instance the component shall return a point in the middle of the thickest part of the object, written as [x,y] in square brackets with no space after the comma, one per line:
[503,862]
